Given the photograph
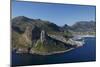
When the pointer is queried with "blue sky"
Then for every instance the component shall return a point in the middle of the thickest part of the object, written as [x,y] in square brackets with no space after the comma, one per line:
[59,14]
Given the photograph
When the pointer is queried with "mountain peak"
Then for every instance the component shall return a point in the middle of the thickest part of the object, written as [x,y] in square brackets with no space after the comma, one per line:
[21,18]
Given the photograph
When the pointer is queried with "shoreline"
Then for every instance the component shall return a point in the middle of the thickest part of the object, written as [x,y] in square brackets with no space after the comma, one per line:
[51,53]
[82,36]
[57,52]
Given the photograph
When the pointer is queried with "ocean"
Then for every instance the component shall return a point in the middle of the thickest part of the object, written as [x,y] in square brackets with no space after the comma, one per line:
[82,54]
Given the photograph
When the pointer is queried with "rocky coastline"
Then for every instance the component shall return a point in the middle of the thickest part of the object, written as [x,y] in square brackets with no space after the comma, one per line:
[68,45]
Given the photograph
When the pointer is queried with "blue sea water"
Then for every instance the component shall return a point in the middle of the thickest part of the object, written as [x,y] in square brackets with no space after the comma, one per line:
[82,54]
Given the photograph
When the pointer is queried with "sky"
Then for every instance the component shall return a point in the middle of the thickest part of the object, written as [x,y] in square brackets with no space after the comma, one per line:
[59,14]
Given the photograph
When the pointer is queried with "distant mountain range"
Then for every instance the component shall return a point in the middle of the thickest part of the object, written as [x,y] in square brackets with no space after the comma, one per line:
[26,34]
[84,26]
